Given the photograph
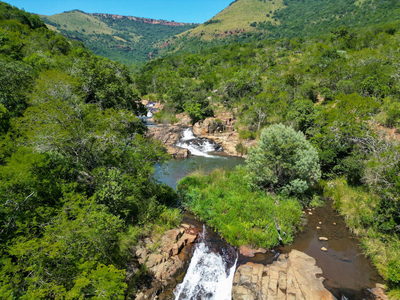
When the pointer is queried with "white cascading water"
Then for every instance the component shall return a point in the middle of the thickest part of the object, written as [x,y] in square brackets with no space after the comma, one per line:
[200,148]
[206,277]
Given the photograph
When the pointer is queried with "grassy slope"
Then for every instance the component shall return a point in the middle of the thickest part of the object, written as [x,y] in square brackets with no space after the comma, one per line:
[122,39]
[76,20]
[238,17]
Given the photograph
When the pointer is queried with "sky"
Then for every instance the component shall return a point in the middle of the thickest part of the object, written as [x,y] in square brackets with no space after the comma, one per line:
[189,11]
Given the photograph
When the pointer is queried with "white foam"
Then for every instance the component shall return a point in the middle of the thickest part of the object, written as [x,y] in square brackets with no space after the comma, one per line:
[188,135]
[206,277]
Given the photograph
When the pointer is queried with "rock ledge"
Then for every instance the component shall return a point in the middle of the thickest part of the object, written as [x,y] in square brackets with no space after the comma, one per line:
[291,277]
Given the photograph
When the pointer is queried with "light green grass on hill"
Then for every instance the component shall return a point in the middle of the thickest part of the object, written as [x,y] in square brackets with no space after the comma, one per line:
[238,17]
[76,20]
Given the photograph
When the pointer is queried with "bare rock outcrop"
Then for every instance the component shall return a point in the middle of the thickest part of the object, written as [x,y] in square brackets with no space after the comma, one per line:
[161,257]
[169,135]
[292,276]
[222,131]
[183,120]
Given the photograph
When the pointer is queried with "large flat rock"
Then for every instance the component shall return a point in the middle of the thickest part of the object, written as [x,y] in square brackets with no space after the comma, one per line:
[291,277]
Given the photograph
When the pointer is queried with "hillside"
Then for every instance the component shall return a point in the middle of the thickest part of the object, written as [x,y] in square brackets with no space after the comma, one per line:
[75,168]
[239,17]
[341,90]
[124,38]
[249,20]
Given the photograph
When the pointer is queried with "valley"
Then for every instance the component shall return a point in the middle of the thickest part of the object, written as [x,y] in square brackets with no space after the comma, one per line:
[254,156]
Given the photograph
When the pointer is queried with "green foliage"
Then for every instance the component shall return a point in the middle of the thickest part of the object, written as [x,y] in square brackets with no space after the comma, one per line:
[243,217]
[209,22]
[284,161]
[8,12]
[75,168]
[240,148]
[165,117]
[394,272]
[194,111]
[125,39]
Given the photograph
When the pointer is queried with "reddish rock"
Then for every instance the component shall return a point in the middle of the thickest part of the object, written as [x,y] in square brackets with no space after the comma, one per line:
[249,252]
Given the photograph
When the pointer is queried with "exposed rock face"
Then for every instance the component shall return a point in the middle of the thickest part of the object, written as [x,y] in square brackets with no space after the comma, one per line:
[169,135]
[141,20]
[222,131]
[184,120]
[292,276]
[164,263]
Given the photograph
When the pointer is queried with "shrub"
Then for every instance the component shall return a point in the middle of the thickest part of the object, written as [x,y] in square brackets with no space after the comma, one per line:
[284,161]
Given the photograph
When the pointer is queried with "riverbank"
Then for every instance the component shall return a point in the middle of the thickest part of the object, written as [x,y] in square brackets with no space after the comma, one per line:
[357,207]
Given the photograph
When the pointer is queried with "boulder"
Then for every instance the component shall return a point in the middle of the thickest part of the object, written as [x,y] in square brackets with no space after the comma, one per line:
[221,130]
[292,276]
[169,136]
[249,252]
[164,262]
[184,120]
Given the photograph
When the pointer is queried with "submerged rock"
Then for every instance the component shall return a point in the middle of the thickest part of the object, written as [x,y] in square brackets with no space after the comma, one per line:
[292,276]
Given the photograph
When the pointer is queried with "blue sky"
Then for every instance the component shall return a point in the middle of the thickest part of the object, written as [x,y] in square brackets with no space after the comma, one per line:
[197,11]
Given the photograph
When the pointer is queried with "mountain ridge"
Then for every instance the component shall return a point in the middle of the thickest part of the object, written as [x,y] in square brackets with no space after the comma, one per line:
[128,39]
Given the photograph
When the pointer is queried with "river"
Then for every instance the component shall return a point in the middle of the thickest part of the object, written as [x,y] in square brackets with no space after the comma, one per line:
[347,271]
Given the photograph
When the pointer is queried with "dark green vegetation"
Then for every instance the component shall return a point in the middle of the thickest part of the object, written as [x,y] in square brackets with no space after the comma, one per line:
[250,20]
[75,168]
[129,40]
[242,216]
[341,90]
[283,161]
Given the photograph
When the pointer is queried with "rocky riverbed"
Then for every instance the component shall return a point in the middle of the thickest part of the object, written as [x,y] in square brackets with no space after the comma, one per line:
[219,129]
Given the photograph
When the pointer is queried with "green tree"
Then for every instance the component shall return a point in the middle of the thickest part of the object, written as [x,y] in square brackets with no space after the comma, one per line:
[284,161]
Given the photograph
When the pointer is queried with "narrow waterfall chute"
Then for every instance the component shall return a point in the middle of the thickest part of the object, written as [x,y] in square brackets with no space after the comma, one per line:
[208,276]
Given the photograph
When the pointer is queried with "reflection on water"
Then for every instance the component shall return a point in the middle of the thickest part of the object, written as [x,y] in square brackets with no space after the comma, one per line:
[173,171]
[345,268]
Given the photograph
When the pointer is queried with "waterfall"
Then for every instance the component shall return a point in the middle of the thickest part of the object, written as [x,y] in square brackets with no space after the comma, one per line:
[187,135]
[208,276]
[197,146]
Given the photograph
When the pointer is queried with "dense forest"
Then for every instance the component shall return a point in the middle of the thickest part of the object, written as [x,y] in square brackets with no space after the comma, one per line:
[75,168]
[341,90]
[76,187]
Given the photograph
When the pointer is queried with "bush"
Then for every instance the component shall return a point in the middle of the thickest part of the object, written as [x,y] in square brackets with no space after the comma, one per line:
[393,270]
[284,161]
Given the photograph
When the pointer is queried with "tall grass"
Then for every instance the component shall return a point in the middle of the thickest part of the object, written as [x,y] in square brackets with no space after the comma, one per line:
[243,217]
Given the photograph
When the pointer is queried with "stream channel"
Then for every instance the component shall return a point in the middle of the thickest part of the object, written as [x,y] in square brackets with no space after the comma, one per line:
[348,273]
